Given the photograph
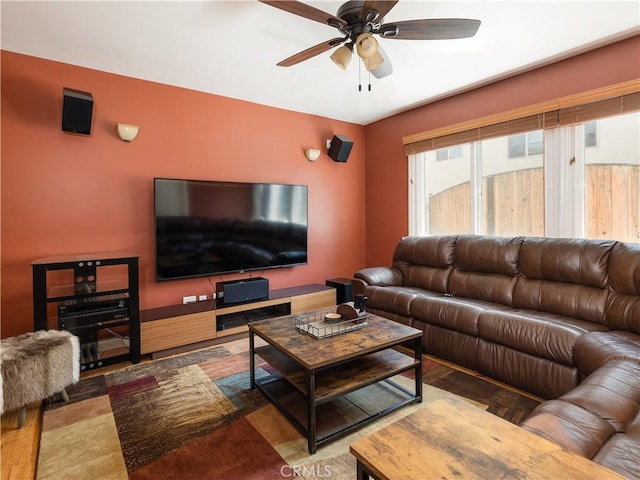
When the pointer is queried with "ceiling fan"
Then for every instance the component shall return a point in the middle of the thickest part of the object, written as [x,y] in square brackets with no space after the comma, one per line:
[358,21]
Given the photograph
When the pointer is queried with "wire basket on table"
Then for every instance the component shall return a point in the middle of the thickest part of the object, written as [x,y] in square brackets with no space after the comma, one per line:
[315,325]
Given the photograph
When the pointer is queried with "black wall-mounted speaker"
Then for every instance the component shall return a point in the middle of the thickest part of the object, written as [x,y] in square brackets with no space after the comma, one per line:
[77,109]
[340,148]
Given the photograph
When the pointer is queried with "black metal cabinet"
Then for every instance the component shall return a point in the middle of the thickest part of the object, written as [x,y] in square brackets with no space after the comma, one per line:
[95,297]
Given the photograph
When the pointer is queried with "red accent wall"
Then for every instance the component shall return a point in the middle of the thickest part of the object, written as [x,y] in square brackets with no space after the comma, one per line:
[387,166]
[63,193]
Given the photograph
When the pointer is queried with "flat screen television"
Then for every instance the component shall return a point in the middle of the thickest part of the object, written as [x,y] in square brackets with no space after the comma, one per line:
[206,228]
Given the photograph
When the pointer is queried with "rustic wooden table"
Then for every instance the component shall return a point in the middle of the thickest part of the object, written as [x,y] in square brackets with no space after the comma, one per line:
[313,372]
[451,438]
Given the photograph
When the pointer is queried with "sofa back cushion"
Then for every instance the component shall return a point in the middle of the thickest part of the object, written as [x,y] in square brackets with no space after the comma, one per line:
[425,262]
[485,268]
[623,305]
[564,276]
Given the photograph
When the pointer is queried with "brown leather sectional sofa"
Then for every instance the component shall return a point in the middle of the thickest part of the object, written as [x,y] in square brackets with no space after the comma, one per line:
[559,318]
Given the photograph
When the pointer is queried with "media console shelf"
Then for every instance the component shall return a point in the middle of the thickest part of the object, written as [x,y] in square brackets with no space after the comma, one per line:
[95,297]
[175,326]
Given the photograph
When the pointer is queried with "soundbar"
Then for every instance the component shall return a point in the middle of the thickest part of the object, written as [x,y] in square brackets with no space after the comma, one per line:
[234,292]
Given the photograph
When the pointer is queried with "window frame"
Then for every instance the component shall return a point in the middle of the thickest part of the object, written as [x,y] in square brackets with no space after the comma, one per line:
[619,98]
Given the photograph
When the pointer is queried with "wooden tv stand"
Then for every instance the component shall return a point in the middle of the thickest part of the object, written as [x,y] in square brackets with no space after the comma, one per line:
[177,326]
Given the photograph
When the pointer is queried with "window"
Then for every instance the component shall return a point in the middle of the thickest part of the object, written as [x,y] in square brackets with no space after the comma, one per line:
[512,199]
[442,193]
[449,153]
[591,134]
[573,170]
[518,145]
[557,188]
[525,144]
[612,180]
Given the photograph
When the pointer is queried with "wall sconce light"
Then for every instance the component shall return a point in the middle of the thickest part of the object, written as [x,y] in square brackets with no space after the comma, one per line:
[312,154]
[127,133]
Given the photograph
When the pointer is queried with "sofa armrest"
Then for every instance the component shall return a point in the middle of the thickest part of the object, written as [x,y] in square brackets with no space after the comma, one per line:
[380,276]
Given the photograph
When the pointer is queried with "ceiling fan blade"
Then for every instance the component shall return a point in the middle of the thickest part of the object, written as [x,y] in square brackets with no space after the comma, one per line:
[380,7]
[306,11]
[311,52]
[431,29]
[385,68]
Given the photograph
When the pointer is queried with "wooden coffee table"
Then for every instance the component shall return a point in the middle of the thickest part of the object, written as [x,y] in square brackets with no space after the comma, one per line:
[327,387]
[450,438]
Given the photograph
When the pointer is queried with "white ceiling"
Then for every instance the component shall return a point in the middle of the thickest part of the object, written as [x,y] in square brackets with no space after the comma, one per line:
[231,48]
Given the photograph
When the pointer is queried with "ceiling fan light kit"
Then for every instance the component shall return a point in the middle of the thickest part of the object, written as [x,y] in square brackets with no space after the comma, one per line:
[367,46]
[373,62]
[342,57]
[358,21]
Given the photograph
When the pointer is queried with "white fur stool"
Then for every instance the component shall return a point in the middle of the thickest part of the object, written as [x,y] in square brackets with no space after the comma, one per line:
[35,366]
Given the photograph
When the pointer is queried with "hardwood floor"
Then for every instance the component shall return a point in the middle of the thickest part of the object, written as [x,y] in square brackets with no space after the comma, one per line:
[19,449]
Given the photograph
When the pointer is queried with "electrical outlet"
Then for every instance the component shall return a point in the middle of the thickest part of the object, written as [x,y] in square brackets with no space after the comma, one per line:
[214,295]
[189,299]
[202,298]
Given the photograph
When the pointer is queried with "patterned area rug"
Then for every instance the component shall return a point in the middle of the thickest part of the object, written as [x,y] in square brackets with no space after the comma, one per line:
[193,416]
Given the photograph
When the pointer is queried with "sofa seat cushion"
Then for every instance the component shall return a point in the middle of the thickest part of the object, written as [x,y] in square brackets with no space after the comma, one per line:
[595,349]
[394,299]
[544,335]
[454,313]
[599,419]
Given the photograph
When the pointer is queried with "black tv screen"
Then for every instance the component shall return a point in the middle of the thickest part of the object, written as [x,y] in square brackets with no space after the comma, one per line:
[207,228]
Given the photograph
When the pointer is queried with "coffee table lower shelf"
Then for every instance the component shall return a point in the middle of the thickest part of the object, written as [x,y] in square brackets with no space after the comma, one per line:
[342,414]
[345,397]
